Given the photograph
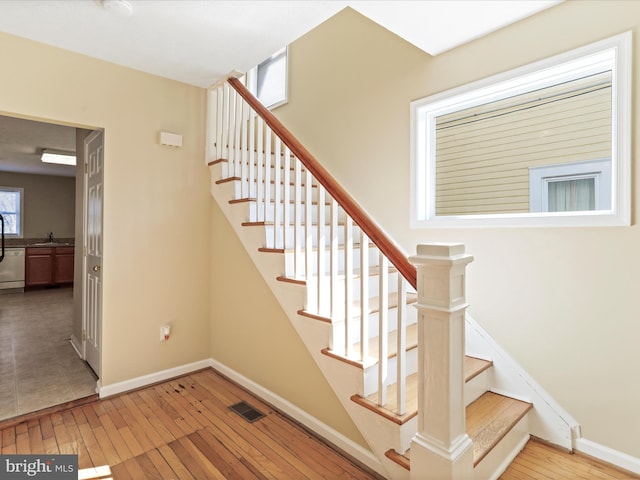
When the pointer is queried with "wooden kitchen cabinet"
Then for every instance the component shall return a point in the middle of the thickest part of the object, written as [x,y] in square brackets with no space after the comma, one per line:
[48,266]
[63,265]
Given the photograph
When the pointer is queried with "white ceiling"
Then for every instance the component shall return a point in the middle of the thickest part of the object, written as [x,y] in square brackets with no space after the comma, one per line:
[200,41]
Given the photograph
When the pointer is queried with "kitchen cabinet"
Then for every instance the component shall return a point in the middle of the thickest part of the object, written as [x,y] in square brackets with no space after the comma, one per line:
[48,266]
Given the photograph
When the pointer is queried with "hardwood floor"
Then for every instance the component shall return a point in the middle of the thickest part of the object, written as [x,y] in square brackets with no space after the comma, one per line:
[181,429]
[184,429]
[539,461]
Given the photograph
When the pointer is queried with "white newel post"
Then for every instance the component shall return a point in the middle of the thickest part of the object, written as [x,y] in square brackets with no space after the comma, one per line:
[441,449]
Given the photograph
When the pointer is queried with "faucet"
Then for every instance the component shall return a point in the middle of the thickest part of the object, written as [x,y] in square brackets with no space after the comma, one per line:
[50,237]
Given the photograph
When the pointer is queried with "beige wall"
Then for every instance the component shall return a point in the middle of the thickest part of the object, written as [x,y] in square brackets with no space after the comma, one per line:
[49,203]
[561,301]
[156,210]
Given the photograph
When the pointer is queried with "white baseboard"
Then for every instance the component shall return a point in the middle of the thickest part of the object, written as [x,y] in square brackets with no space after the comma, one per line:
[323,430]
[144,380]
[609,455]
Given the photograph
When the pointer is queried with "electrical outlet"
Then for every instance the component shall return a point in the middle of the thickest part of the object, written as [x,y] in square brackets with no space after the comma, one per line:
[165,332]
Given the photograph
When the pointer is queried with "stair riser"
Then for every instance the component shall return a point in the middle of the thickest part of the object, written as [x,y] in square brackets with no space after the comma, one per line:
[250,190]
[258,213]
[233,169]
[291,231]
[339,291]
[370,374]
[474,388]
[289,260]
[338,330]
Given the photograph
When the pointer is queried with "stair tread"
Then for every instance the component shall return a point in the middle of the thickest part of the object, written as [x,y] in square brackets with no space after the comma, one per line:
[374,306]
[327,248]
[488,420]
[472,367]
[411,343]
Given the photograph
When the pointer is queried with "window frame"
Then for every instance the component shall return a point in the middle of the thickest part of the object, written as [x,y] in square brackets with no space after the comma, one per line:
[540,177]
[546,72]
[19,214]
[254,74]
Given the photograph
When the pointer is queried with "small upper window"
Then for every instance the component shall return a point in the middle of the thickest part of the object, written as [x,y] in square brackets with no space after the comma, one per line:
[268,80]
[545,144]
[11,210]
[571,187]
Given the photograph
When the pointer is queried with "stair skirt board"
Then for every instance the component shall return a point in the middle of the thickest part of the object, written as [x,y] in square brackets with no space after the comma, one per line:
[548,420]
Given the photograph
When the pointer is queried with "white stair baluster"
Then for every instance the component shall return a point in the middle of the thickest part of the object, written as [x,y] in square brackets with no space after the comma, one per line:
[297,218]
[383,327]
[251,190]
[308,231]
[231,131]
[286,197]
[333,232]
[322,244]
[401,364]
[260,185]
[244,146]
[364,296]
[277,198]
[348,284]
[267,174]
[237,127]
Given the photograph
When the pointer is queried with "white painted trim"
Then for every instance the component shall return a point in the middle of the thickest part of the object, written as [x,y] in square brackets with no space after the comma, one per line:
[77,345]
[609,455]
[320,428]
[590,58]
[144,380]
[548,420]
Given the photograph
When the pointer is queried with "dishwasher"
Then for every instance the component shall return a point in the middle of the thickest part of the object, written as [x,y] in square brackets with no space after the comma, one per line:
[12,270]
[11,266]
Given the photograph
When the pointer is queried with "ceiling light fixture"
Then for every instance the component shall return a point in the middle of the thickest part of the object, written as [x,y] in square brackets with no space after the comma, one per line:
[122,8]
[61,158]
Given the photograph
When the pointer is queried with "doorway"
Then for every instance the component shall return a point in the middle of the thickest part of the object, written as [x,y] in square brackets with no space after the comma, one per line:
[42,330]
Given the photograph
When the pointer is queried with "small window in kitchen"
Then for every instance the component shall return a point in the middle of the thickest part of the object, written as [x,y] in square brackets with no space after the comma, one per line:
[268,80]
[11,201]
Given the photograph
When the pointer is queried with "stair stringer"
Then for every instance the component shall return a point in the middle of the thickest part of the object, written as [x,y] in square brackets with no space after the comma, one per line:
[547,420]
[379,433]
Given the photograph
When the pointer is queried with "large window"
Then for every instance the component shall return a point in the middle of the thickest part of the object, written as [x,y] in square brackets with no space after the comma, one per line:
[546,144]
[268,80]
[11,201]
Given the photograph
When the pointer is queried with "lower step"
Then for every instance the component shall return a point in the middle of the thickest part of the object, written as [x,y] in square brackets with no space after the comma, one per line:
[488,420]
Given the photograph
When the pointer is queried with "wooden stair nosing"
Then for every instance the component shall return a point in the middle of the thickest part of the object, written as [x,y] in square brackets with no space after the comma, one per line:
[296,281]
[291,202]
[495,425]
[475,366]
[403,460]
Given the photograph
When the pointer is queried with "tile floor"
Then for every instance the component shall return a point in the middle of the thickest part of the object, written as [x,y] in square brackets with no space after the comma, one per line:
[38,366]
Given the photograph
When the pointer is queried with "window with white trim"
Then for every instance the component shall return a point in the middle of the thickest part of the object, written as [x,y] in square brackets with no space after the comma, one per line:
[268,80]
[11,202]
[571,187]
[474,147]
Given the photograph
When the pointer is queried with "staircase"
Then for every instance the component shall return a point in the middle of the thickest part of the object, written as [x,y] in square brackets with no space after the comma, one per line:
[350,293]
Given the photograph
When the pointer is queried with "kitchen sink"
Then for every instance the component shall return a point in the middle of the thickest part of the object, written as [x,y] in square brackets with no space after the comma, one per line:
[51,244]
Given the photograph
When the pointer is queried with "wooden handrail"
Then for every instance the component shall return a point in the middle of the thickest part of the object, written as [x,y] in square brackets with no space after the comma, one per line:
[359,216]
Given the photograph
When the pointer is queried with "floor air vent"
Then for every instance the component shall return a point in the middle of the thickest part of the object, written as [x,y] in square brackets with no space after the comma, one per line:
[247,412]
